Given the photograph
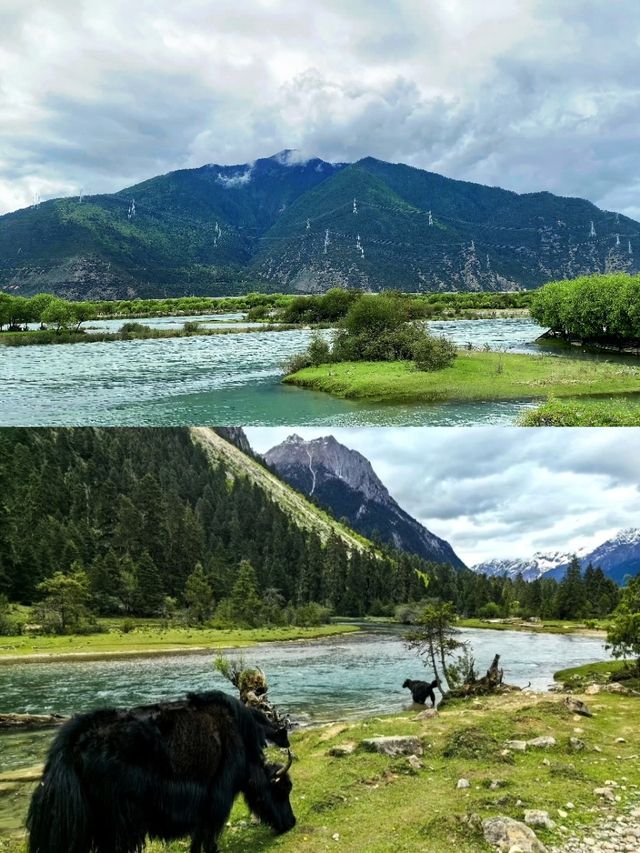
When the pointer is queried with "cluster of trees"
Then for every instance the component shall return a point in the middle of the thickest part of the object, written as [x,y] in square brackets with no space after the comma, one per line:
[379,328]
[578,595]
[45,308]
[596,308]
[333,306]
[138,522]
[49,310]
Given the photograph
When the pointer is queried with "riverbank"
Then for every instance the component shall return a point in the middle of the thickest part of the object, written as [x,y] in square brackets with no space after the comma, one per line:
[585,413]
[474,376]
[152,641]
[595,628]
[402,804]
[603,672]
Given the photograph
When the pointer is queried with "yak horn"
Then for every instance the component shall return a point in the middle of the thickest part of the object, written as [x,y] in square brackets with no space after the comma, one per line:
[280,773]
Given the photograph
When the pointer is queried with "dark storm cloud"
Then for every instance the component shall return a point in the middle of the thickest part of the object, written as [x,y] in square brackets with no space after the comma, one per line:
[495,492]
[529,94]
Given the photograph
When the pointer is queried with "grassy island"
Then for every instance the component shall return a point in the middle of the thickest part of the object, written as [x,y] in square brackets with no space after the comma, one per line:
[474,376]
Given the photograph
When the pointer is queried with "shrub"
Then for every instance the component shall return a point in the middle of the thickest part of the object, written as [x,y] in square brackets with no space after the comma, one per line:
[319,351]
[431,353]
[191,326]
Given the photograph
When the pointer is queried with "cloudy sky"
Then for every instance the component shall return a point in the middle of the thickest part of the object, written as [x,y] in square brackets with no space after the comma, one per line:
[527,94]
[495,492]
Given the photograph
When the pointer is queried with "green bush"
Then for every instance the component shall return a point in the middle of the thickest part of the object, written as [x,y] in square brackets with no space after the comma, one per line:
[597,308]
[319,351]
[430,353]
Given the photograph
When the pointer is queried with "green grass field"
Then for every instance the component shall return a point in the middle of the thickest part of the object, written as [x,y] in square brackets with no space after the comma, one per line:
[382,805]
[150,638]
[548,626]
[473,376]
[585,413]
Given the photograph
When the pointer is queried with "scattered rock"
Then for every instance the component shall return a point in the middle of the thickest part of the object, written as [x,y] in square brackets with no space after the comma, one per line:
[620,740]
[429,714]
[592,689]
[414,762]
[393,745]
[616,687]
[606,793]
[536,817]
[562,814]
[542,742]
[507,834]
[577,707]
[496,783]
[463,783]
[576,744]
[336,836]
[517,745]
[340,750]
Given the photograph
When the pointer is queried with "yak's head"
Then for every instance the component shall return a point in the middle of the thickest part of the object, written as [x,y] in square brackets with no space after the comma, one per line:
[407,683]
[268,795]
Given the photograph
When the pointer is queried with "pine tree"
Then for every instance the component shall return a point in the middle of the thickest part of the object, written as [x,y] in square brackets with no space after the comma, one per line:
[198,595]
[149,594]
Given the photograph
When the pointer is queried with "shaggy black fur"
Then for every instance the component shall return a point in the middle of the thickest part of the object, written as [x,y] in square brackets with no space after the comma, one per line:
[421,691]
[168,770]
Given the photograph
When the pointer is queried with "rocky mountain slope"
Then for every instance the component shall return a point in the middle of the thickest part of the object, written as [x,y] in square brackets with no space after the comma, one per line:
[616,557]
[344,481]
[293,225]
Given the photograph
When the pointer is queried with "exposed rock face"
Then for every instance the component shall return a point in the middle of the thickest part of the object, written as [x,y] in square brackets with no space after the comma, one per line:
[344,482]
[236,436]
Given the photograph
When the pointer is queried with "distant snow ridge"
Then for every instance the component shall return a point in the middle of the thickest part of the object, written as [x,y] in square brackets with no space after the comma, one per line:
[617,557]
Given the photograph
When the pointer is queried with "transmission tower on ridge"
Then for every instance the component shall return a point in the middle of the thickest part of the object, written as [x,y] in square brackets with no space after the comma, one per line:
[355,206]
[326,241]
[592,232]
[430,220]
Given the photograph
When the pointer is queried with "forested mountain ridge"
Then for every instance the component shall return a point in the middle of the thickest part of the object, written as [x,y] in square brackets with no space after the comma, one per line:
[140,510]
[181,523]
[343,480]
[293,225]
[238,462]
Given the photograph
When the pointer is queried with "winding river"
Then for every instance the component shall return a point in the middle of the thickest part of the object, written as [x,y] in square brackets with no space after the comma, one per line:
[223,380]
[318,680]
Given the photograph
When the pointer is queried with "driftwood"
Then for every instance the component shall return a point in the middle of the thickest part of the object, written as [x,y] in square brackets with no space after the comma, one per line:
[31,721]
[492,682]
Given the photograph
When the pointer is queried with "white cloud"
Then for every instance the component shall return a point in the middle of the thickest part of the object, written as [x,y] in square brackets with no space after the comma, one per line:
[499,492]
[529,94]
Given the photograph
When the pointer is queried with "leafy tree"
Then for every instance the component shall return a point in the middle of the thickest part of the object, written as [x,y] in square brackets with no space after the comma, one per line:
[436,637]
[623,635]
[64,601]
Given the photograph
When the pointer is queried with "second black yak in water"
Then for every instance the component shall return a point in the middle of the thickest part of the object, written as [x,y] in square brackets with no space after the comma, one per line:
[166,771]
[421,691]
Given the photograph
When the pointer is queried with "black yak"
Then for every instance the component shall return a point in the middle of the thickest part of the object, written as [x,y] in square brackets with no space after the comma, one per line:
[165,771]
[421,691]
